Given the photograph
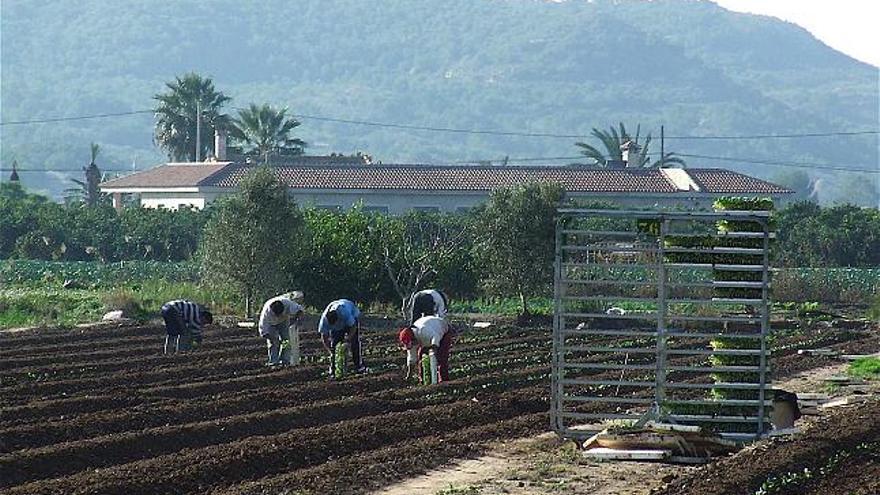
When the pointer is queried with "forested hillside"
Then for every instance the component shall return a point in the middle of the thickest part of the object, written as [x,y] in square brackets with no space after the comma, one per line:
[513,65]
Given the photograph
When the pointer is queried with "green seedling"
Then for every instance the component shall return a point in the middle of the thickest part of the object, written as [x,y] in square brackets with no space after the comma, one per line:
[340,360]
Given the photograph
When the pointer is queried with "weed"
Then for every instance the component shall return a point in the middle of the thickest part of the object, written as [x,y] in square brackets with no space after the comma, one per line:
[831,388]
[867,367]
[462,490]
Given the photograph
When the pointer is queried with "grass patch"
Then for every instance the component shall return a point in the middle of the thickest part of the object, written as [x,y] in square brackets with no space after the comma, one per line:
[502,306]
[31,306]
[867,367]
[459,490]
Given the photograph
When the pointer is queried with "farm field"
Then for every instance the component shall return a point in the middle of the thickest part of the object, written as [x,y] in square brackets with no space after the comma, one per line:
[99,410]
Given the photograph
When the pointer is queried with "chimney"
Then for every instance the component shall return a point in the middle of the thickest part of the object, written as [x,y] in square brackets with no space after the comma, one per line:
[220,145]
[14,176]
[631,154]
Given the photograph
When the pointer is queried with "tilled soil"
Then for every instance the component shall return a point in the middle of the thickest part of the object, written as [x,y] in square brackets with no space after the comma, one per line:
[852,430]
[101,411]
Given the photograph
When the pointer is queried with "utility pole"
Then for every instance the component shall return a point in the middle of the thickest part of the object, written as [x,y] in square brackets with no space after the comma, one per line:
[198,129]
[662,148]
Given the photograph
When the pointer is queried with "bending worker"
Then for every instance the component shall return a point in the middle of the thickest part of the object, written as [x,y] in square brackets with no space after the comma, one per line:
[428,302]
[339,322]
[183,324]
[275,319]
[426,333]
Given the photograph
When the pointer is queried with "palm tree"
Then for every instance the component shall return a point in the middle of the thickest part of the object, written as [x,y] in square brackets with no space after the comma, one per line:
[176,112]
[262,130]
[87,191]
[613,140]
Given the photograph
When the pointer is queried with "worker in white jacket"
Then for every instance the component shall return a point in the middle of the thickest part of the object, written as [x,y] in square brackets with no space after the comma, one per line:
[428,302]
[276,318]
[427,333]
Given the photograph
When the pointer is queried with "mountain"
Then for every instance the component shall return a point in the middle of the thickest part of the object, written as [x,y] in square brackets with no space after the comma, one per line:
[508,65]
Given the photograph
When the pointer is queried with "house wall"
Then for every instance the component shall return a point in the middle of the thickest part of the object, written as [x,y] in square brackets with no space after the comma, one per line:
[172,201]
[401,201]
[397,202]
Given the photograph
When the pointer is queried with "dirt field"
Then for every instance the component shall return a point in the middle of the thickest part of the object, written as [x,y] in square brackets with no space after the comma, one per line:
[101,411]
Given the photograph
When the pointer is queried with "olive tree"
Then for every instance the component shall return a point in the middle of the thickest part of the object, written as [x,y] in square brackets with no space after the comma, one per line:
[516,238]
[416,247]
[253,239]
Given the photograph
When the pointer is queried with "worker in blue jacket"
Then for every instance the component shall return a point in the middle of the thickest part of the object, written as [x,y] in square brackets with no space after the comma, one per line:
[340,322]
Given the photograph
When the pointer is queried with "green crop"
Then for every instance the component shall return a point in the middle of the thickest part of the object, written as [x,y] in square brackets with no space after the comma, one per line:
[426,369]
[340,360]
[92,274]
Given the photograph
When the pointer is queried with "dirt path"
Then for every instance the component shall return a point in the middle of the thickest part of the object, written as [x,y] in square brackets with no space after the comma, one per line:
[538,465]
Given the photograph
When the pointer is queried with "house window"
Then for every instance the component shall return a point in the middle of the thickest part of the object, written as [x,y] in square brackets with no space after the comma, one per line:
[427,209]
[376,209]
[464,209]
[329,207]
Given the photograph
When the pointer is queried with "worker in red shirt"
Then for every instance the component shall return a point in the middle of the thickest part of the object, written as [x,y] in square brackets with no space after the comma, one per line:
[427,333]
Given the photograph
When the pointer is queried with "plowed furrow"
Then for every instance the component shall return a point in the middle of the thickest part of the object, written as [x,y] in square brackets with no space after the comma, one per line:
[256,457]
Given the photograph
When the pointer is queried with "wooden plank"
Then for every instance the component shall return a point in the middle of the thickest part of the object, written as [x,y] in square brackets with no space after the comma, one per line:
[671,427]
[843,379]
[853,357]
[482,324]
[641,441]
[843,401]
[246,324]
[808,396]
[627,455]
[784,431]
[680,459]
[818,352]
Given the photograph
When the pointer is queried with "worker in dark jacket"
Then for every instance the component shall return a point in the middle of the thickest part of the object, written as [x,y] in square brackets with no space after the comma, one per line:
[183,324]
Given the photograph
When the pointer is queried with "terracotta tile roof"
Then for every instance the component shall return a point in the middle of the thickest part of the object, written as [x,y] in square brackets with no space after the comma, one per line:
[314,173]
[309,160]
[171,175]
[718,180]
[457,178]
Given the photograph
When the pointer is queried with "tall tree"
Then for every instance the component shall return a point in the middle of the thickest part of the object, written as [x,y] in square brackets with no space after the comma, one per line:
[262,130]
[803,185]
[253,238]
[176,111]
[516,232]
[612,141]
[416,246]
[87,191]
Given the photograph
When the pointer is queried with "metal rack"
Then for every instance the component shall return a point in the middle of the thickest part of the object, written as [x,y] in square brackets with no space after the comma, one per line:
[636,309]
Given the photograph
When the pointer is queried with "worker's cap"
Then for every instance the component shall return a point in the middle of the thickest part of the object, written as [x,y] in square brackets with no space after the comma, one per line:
[406,337]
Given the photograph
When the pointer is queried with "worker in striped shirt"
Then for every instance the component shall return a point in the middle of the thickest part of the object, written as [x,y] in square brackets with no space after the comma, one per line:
[183,324]
[428,302]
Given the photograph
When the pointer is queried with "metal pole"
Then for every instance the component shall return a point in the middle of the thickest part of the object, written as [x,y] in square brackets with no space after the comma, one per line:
[765,324]
[662,148]
[660,392]
[556,374]
[198,130]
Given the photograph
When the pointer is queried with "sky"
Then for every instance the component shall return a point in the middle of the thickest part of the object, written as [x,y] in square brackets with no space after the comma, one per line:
[849,26]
